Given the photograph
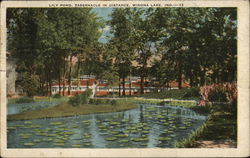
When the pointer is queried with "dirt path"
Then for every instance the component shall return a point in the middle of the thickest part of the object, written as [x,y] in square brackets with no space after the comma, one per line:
[216,144]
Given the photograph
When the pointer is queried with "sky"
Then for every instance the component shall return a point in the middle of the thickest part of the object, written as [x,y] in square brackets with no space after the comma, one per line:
[104,13]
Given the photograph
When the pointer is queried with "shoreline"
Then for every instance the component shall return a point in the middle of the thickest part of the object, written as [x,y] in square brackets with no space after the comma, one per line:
[66,110]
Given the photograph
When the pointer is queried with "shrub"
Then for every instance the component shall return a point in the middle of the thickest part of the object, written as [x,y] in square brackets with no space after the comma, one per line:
[184,93]
[80,99]
[57,96]
[226,92]
[191,92]
[113,102]
[25,100]
[75,101]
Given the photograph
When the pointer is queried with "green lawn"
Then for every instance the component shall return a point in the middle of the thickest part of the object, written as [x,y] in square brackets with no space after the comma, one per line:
[65,109]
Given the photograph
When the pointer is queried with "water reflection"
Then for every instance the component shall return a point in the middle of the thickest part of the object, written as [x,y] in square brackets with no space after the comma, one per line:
[147,126]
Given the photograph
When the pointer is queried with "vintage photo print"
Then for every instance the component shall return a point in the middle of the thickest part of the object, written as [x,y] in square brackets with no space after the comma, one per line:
[124,78]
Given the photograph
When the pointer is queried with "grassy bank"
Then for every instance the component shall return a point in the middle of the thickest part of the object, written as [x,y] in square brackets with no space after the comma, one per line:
[220,126]
[174,102]
[65,109]
[185,93]
[41,99]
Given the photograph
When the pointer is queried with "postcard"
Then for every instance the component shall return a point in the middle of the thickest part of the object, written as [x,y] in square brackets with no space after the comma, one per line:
[124,78]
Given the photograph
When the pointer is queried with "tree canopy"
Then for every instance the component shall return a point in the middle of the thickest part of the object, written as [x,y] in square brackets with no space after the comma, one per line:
[193,45]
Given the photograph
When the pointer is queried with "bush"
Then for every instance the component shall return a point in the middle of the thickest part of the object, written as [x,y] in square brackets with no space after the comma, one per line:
[80,99]
[99,101]
[226,92]
[184,93]
[57,96]
[75,101]
[25,100]
[113,102]
[218,95]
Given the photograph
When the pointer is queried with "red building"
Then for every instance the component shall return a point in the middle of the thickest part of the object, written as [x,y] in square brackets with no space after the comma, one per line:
[102,87]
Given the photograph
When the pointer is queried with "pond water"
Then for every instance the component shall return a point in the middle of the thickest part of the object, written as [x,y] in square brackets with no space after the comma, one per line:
[22,107]
[147,126]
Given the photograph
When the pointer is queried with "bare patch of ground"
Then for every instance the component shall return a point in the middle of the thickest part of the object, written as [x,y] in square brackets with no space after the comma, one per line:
[216,144]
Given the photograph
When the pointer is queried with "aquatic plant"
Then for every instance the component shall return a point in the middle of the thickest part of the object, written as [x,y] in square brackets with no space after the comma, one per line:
[111,138]
[76,145]
[29,144]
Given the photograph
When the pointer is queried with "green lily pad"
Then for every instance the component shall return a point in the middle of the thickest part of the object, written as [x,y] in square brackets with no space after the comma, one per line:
[27,122]
[47,139]
[124,141]
[140,139]
[164,138]
[59,144]
[114,123]
[121,135]
[76,145]
[87,144]
[37,140]
[87,136]
[51,135]
[11,128]
[145,132]
[111,138]
[56,123]
[29,144]
[59,141]
[86,121]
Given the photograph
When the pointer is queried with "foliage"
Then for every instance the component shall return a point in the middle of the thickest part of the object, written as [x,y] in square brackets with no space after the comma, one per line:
[57,96]
[185,93]
[30,84]
[113,102]
[25,100]
[79,99]
[190,141]
[226,92]
[103,101]
[198,45]
[45,40]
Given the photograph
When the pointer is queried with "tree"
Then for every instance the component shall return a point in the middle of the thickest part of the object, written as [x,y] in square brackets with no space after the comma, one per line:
[42,38]
[122,42]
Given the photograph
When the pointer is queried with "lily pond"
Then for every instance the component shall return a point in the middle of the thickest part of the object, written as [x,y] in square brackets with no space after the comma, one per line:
[147,126]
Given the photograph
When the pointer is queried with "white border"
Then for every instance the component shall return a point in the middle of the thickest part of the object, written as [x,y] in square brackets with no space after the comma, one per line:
[243,90]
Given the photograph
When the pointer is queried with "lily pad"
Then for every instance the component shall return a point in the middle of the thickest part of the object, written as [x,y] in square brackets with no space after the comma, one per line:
[111,138]
[121,135]
[27,122]
[164,138]
[124,141]
[29,144]
[37,140]
[48,139]
[56,123]
[59,144]
[76,145]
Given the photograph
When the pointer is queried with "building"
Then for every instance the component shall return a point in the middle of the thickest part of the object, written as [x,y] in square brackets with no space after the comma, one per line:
[102,87]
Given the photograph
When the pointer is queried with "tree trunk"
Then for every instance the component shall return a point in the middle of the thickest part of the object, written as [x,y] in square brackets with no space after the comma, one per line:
[179,80]
[64,73]
[50,87]
[119,86]
[69,79]
[202,78]
[78,72]
[179,75]
[123,86]
[142,85]
[130,85]
[191,81]
[59,81]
